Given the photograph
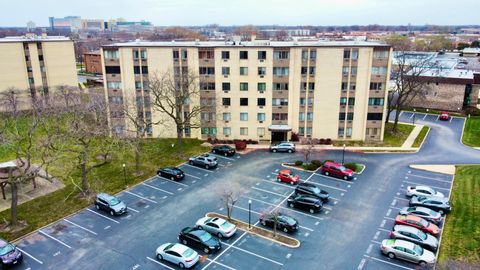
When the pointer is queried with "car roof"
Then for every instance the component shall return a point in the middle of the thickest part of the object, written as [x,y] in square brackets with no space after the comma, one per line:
[285,171]
[179,248]
[332,163]
[105,196]
[310,198]
[412,217]
[405,228]
[218,221]
[423,209]
[404,244]
[306,185]
[423,187]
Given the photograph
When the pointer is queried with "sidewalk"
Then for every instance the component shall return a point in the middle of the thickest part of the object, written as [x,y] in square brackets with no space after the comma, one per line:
[413,135]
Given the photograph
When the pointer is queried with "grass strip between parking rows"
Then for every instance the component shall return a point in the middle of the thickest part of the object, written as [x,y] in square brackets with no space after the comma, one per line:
[421,136]
[471,133]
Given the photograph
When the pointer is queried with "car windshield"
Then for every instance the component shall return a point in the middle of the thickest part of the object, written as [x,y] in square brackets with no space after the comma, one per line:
[423,222]
[288,220]
[422,235]
[226,225]
[342,168]
[6,249]
[205,237]
[316,190]
[114,201]
[187,253]
[418,249]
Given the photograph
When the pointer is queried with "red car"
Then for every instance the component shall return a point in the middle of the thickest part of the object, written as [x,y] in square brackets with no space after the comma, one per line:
[337,170]
[444,116]
[418,223]
[286,176]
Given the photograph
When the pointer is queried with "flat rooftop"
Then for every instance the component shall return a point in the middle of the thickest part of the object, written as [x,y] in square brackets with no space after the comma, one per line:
[449,73]
[256,43]
[33,39]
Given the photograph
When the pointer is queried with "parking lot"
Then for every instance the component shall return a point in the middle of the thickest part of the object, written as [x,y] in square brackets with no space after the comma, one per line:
[344,235]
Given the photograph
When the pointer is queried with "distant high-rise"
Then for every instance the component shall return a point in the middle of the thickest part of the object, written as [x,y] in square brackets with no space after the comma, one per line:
[72,23]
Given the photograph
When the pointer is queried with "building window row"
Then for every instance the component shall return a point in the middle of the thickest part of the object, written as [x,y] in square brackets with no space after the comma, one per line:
[376,86]
[350,101]
[375,101]
[301,131]
[349,116]
[341,132]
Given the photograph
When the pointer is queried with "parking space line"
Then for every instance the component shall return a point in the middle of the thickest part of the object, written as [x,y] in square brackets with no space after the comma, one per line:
[411,116]
[220,156]
[278,183]
[191,175]
[393,264]
[159,189]
[268,191]
[376,242]
[420,176]
[437,118]
[75,224]
[53,238]
[141,197]
[225,250]
[102,215]
[161,177]
[389,218]
[254,254]
[130,208]
[29,255]
[157,262]
[424,116]
[397,208]
[335,179]
[402,199]
[327,186]
[205,170]
[382,229]
[221,264]
[420,184]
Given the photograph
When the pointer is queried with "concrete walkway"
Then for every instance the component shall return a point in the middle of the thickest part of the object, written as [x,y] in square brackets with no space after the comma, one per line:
[413,135]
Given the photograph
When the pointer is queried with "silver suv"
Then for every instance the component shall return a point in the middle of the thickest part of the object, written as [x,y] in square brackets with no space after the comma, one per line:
[204,160]
[283,147]
[110,204]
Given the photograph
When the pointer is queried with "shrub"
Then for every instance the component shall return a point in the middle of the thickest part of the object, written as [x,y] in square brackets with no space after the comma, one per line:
[352,166]
[311,167]
[322,141]
[473,111]
[294,137]
[239,145]
[298,163]
[317,162]
[328,141]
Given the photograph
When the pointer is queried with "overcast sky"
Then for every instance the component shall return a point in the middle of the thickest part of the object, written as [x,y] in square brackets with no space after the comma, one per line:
[241,12]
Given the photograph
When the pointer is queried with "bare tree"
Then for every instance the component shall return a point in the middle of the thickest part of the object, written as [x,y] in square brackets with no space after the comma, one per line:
[10,100]
[273,215]
[229,195]
[308,150]
[66,96]
[176,95]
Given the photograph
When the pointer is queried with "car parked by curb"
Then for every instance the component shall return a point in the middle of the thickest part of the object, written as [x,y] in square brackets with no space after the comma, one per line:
[198,238]
[9,254]
[178,254]
[305,202]
[407,251]
[414,235]
[288,147]
[441,205]
[423,191]
[312,190]
[423,212]
[336,170]
[284,223]
[172,173]
[224,150]
[207,161]
[216,226]
[418,223]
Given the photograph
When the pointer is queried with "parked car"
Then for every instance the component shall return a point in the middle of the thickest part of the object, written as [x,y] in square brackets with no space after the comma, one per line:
[414,235]
[204,160]
[178,254]
[171,173]
[305,202]
[423,212]
[284,222]
[423,191]
[283,147]
[312,190]
[441,205]
[287,176]
[110,204]
[418,223]
[217,226]
[223,150]
[9,253]
[337,170]
[445,116]
[199,238]
[407,251]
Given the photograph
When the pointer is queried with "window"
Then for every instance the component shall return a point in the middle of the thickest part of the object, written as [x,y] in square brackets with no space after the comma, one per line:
[112,69]
[205,55]
[280,86]
[304,55]
[31,81]
[353,86]
[243,71]
[138,85]
[375,101]
[350,116]
[376,86]
[110,54]
[353,71]
[225,71]
[261,116]
[354,54]
[137,69]
[146,86]
[226,131]
[262,55]
[310,116]
[311,71]
[207,86]
[304,70]
[262,71]
[261,86]
[261,132]
[29,69]
[116,100]
[341,131]
[243,55]
[345,71]
[311,86]
[226,101]
[309,131]
[226,116]
[310,101]
[280,116]
[225,55]
[280,71]
[313,55]
[140,54]
[341,116]
[243,116]
[226,86]
[279,101]
[40,58]
[301,131]
[379,70]
[380,54]
[301,116]
[343,101]
[176,55]
[344,85]
[351,101]
[346,54]
[184,54]
[118,85]
[243,101]
[243,86]
[207,71]
[302,101]
[261,101]
[281,55]
[349,131]
[243,131]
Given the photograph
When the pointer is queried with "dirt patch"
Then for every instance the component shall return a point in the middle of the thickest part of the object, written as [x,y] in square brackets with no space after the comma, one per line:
[264,233]
[6,228]
[58,228]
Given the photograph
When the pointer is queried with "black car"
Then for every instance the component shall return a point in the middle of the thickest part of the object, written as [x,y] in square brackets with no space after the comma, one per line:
[284,222]
[199,238]
[171,173]
[305,202]
[312,190]
[9,253]
[441,205]
[223,150]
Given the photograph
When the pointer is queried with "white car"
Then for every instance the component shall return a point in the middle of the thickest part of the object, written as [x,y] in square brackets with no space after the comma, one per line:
[423,191]
[178,254]
[217,226]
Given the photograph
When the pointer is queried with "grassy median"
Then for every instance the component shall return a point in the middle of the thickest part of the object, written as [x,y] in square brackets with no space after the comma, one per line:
[461,236]
[421,136]
[390,138]
[471,133]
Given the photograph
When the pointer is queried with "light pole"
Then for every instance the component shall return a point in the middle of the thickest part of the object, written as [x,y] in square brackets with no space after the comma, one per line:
[343,155]
[414,110]
[124,174]
[249,213]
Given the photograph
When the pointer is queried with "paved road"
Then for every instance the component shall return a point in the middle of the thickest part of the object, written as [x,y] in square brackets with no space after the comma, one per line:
[345,235]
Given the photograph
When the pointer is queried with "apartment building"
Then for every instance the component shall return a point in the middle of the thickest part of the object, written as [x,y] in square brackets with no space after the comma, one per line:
[260,90]
[37,64]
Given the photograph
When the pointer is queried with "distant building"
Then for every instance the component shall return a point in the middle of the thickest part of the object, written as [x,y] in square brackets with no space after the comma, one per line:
[130,26]
[93,25]
[471,52]
[93,62]
[72,23]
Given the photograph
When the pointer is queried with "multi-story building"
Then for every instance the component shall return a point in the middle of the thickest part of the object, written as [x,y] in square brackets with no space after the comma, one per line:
[260,90]
[37,63]
[93,62]
[93,24]
[72,23]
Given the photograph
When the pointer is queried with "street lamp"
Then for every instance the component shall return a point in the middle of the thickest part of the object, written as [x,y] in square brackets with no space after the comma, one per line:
[343,155]
[414,110]
[124,174]
[249,213]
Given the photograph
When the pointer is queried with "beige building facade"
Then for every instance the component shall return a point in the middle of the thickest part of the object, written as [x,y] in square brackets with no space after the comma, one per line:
[259,90]
[36,65]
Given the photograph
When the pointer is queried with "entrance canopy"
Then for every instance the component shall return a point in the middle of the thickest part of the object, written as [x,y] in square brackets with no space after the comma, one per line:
[279,128]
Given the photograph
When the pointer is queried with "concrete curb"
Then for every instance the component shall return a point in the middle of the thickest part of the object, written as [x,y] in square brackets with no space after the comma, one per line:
[286,165]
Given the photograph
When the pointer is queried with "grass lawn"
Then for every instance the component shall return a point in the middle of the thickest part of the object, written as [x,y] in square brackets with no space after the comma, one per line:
[461,233]
[108,178]
[390,139]
[418,141]
[471,133]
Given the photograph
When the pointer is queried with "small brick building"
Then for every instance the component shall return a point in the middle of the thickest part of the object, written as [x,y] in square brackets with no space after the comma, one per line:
[93,62]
